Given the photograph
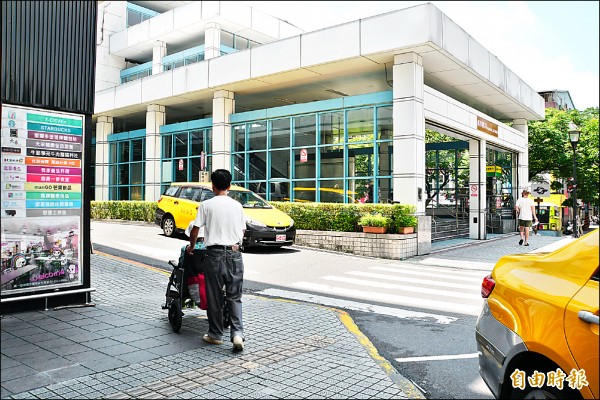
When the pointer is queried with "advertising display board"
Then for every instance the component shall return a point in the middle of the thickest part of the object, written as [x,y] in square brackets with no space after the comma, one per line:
[42,210]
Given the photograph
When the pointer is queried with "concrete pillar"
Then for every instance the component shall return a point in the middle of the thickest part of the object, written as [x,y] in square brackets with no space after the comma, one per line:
[223,107]
[159,50]
[212,41]
[409,131]
[523,158]
[155,118]
[104,127]
[477,189]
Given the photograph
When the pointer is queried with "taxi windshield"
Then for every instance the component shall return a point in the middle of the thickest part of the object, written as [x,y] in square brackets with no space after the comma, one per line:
[248,199]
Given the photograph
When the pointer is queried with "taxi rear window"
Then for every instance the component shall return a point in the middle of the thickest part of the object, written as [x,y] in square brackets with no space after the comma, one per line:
[171,191]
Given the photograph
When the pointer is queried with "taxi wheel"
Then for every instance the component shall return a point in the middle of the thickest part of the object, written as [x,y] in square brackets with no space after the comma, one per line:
[169,226]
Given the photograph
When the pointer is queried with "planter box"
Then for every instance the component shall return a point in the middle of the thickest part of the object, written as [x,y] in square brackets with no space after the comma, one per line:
[392,246]
[406,229]
[374,229]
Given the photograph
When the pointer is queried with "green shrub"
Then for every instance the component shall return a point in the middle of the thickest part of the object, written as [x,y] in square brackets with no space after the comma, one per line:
[376,220]
[342,217]
[407,220]
[125,210]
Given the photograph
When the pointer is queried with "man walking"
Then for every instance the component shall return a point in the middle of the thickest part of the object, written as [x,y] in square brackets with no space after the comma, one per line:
[525,214]
[224,223]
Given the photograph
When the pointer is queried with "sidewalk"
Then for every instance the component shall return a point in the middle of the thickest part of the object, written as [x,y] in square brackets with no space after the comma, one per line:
[124,347]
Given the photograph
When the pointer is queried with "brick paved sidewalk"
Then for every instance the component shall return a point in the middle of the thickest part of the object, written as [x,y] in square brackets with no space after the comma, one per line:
[124,347]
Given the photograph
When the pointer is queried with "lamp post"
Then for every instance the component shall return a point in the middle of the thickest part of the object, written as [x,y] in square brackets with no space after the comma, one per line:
[574,138]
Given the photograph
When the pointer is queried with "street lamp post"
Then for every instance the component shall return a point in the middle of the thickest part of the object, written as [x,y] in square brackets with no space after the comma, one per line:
[574,137]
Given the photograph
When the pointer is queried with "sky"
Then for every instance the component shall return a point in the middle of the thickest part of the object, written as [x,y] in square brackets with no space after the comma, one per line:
[549,44]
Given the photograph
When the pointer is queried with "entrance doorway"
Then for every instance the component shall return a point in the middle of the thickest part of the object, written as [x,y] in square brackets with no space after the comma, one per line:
[447,185]
[500,196]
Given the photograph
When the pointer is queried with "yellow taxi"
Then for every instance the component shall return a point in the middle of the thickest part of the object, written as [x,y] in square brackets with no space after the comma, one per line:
[537,335]
[265,225]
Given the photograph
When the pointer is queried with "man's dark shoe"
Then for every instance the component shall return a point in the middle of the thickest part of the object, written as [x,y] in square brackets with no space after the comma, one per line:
[520,242]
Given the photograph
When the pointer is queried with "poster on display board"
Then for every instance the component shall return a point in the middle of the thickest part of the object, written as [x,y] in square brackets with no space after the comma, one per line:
[42,210]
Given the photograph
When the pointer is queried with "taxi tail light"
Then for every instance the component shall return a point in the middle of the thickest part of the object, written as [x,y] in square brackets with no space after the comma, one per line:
[159,199]
[487,286]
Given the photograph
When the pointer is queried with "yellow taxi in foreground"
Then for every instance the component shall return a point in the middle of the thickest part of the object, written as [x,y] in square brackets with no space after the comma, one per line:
[537,335]
[265,225]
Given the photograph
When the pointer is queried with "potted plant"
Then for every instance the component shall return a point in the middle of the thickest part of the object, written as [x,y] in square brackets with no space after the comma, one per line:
[406,223]
[374,223]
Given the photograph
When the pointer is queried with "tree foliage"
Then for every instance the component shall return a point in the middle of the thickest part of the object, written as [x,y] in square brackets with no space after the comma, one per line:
[550,149]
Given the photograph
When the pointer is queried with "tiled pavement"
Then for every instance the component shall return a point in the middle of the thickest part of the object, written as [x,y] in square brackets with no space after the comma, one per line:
[124,347]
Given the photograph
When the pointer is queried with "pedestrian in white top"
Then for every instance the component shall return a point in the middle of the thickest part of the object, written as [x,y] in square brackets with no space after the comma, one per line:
[525,214]
[224,224]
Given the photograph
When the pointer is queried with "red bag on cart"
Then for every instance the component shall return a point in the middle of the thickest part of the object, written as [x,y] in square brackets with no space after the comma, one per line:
[197,289]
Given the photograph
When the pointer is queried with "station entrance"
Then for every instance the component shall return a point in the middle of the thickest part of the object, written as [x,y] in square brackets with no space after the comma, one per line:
[447,164]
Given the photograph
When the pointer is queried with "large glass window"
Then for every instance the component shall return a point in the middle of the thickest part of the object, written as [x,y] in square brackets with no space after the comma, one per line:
[340,156]
[185,154]
[126,169]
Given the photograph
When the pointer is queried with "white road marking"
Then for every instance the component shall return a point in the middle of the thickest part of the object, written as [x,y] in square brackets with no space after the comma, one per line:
[442,262]
[463,276]
[426,282]
[446,306]
[437,358]
[357,306]
[476,293]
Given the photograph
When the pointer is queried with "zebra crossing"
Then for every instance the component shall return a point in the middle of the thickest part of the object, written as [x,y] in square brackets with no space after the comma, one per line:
[433,290]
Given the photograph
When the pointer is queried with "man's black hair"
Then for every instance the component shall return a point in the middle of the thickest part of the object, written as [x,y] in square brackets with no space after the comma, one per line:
[221,179]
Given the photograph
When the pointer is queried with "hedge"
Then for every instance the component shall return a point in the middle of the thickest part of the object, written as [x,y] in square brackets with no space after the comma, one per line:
[126,210]
[345,217]
[310,216]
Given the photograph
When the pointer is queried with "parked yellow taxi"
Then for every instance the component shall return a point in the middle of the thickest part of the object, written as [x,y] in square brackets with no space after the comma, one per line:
[537,334]
[265,225]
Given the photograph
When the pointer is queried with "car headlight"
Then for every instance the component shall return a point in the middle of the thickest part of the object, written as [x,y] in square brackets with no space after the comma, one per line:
[255,223]
[291,222]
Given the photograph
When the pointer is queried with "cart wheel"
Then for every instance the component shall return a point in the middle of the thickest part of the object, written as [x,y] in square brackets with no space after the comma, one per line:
[175,315]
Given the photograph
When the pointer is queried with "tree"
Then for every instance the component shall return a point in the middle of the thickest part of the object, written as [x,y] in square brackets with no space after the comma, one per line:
[550,150]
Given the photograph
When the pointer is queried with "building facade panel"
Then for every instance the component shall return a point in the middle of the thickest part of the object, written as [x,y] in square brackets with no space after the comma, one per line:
[338,43]
[157,87]
[410,27]
[275,57]
[228,69]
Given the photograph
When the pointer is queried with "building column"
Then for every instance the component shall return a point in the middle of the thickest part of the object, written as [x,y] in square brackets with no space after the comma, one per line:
[409,131]
[523,158]
[477,189]
[212,41]
[223,107]
[159,50]
[104,127]
[155,118]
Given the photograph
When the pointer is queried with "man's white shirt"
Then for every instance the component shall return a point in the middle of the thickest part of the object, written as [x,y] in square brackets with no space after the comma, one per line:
[223,220]
[525,204]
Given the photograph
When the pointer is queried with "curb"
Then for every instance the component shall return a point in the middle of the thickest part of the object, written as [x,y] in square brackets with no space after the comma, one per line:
[411,391]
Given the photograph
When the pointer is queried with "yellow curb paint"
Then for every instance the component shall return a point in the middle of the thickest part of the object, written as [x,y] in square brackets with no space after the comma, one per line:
[407,387]
[127,261]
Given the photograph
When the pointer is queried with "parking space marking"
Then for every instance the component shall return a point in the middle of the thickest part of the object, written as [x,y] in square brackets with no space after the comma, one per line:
[437,358]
